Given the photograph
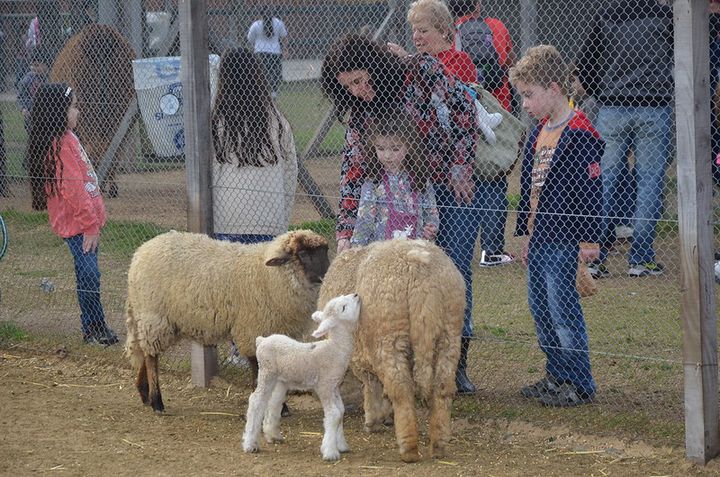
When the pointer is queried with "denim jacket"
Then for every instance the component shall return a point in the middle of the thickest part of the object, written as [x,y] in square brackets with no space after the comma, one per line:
[570,204]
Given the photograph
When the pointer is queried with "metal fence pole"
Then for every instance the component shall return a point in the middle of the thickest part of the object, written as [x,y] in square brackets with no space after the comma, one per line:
[198,152]
[692,93]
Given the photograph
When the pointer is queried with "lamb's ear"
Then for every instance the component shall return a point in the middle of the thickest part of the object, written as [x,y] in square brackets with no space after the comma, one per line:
[318,316]
[325,326]
[278,261]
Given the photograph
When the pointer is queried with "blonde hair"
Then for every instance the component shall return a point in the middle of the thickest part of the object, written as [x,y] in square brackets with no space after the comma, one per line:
[436,13]
[542,65]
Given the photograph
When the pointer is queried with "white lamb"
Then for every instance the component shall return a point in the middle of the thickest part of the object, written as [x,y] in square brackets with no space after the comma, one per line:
[286,364]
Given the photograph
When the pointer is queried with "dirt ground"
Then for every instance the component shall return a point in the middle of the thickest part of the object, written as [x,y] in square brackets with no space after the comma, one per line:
[61,415]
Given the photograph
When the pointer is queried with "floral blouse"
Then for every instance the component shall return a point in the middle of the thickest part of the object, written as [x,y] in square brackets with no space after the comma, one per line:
[391,197]
[445,116]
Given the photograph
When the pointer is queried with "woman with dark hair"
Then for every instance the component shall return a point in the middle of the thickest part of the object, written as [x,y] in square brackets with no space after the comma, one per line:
[255,166]
[365,79]
[269,39]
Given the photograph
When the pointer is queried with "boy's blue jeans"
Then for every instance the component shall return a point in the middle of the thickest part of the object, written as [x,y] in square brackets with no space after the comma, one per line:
[87,276]
[647,131]
[459,225]
[555,306]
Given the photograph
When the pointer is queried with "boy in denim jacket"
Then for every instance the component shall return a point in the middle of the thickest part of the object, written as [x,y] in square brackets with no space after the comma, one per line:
[559,213]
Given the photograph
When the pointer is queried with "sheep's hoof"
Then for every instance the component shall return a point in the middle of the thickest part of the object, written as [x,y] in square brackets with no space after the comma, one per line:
[374,428]
[331,455]
[250,449]
[438,451]
[274,439]
[410,456]
[285,412]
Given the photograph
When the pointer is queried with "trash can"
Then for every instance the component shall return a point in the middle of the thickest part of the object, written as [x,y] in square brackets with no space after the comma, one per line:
[159,92]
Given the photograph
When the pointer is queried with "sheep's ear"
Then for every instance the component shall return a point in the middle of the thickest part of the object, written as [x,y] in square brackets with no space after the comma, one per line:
[324,327]
[318,316]
[277,261]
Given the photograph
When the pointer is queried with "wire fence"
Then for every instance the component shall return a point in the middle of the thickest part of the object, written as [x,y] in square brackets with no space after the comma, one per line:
[408,143]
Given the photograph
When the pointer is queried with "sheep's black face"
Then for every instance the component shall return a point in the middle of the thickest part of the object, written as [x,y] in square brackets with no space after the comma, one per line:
[315,262]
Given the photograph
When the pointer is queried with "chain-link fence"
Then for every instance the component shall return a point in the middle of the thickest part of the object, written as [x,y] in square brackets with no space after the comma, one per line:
[409,156]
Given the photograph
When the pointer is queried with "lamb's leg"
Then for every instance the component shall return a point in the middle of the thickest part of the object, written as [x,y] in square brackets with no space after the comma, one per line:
[271,422]
[373,402]
[400,388]
[141,383]
[257,404]
[332,418]
[155,397]
[342,444]
[254,368]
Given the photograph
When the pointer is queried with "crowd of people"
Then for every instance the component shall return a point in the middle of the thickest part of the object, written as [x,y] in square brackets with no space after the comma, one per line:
[594,160]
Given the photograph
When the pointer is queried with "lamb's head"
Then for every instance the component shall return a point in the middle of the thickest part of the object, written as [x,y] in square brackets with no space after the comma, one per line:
[305,249]
[344,309]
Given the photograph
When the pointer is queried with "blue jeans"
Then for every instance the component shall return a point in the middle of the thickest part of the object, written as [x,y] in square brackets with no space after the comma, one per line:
[459,226]
[555,307]
[493,214]
[87,277]
[646,131]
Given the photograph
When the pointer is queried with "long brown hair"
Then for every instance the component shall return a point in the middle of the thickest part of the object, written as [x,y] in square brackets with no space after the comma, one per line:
[398,124]
[241,119]
[48,122]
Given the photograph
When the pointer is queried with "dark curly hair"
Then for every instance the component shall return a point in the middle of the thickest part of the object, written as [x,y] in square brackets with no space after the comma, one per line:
[48,125]
[358,52]
[397,123]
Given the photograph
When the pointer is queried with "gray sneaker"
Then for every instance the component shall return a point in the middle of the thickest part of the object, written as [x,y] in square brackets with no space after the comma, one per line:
[539,389]
[565,395]
[646,269]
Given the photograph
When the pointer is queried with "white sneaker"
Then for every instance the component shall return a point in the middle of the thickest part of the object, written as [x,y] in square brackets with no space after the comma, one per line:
[624,232]
[493,260]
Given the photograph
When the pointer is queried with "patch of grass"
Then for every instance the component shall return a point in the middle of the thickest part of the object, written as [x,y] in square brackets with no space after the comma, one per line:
[11,332]
[324,227]
[513,201]
[123,238]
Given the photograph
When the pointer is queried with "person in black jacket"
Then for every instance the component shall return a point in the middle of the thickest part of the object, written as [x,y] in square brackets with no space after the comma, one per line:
[626,63]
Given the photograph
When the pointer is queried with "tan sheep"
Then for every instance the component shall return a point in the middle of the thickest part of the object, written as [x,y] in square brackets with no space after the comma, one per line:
[407,344]
[186,285]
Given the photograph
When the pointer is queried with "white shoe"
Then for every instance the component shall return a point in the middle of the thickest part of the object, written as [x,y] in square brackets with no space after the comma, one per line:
[623,232]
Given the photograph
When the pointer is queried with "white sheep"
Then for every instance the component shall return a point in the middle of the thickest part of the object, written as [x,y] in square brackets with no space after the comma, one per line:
[186,285]
[407,344]
[286,364]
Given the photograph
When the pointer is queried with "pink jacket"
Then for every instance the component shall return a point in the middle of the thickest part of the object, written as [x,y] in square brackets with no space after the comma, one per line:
[77,207]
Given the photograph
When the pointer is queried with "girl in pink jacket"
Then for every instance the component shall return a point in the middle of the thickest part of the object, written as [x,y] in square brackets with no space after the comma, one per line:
[64,181]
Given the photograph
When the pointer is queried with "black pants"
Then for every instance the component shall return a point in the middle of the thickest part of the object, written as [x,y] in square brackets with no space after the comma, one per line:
[273,69]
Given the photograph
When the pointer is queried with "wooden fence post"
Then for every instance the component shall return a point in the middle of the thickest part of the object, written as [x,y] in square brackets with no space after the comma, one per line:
[198,150]
[692,101]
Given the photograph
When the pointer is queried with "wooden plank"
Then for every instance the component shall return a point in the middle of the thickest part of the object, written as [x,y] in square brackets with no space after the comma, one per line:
[692,93]
[109,157]
[198,152]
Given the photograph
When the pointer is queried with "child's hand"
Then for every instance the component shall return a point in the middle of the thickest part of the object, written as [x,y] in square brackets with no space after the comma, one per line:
[429,232]
[90,243]
[343,244]
[589,252]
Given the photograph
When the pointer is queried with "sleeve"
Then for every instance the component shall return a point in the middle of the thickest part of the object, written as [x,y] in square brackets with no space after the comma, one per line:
[72,180]
[290,167]
[352,174]
[430,213]
[523,211]
[366,224]
[501,41]
[466,70]
[439,96]
[587,151]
